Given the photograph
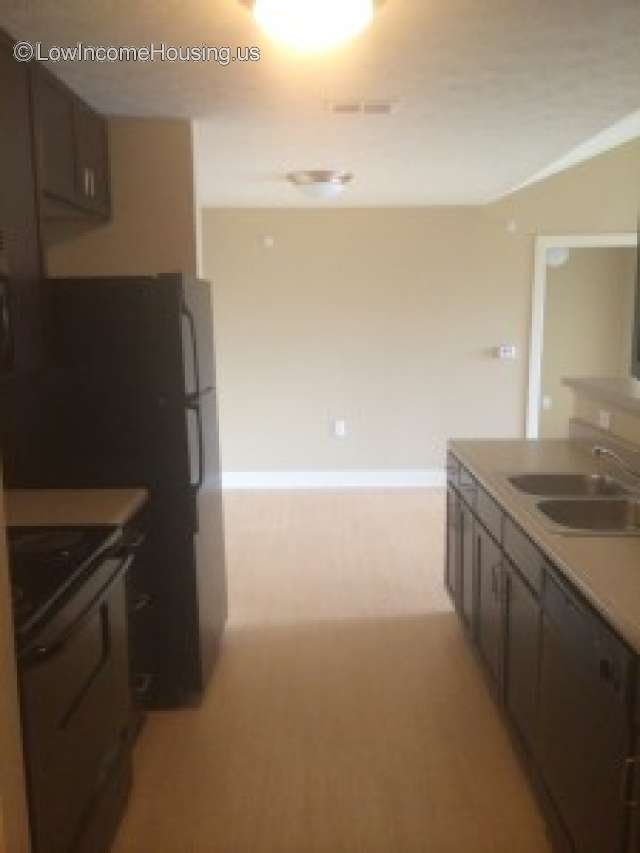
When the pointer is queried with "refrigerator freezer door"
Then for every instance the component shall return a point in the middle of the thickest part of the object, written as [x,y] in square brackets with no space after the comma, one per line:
[197,336]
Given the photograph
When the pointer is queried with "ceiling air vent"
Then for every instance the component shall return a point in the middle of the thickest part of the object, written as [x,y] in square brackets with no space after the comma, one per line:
[367,108]
[377,108]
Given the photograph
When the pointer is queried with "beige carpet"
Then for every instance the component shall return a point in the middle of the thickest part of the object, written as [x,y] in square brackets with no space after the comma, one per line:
[347,714]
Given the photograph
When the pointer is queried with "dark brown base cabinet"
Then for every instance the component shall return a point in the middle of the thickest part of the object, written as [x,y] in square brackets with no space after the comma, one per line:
[565,683]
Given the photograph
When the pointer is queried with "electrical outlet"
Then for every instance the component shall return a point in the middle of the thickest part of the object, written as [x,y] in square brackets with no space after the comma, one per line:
[604,419]
[340,428]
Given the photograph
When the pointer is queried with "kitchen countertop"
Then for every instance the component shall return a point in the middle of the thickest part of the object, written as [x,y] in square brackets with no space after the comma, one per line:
[606,570]
[71,507]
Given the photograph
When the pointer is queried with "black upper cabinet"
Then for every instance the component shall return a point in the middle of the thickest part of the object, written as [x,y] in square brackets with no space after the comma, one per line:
[23,341]
[92,160]
[55,137]
[72,146]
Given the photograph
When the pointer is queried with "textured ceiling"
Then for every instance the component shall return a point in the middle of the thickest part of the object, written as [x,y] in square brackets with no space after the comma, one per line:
[489,92]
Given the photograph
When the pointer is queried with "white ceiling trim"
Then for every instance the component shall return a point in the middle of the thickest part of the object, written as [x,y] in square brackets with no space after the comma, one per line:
[618,134]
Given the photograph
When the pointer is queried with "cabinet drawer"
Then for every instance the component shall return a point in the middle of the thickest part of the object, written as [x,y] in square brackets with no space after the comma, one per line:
[489,514]
[529,561]
[468,486]
[592,645]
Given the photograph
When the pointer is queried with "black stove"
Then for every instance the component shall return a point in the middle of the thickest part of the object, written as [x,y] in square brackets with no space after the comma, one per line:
[46,562]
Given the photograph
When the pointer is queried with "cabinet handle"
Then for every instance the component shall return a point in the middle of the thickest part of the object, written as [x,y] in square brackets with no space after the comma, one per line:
[93,183]
[141,602]
[85,173]
[495,580]
[608,673]
[626,780]
[142,683]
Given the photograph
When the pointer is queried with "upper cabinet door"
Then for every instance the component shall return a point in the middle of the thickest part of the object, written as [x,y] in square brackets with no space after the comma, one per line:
[72,150]
[21,312]
[54,106]
[92,162]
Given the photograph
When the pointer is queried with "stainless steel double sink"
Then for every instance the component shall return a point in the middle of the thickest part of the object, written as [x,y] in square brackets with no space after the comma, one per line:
[583,504]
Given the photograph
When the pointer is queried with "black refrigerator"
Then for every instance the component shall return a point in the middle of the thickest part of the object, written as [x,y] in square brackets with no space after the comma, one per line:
[131,401]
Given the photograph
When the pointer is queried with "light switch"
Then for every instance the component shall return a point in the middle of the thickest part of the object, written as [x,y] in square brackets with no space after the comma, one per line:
[507,352]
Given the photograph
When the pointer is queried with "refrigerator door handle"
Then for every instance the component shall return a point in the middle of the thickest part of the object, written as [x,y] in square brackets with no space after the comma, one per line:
[192,400]
[192,405]
[186,313]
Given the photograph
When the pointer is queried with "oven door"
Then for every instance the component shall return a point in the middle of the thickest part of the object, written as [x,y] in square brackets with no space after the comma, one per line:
[75,707]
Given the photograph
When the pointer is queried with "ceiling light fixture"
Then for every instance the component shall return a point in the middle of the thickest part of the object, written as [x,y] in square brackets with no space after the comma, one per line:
[313,25]
[320,184]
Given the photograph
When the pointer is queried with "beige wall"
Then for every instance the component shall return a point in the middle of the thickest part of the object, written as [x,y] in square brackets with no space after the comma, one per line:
[600,196]
[624,424]
[13,810]
[587,327]
[387,318]
[153,224]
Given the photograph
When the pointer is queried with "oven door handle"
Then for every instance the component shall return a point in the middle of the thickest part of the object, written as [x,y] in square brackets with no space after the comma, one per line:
[40,654]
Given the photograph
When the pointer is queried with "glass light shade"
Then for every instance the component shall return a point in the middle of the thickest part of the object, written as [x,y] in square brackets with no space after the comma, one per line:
[313,25]
[322,191]
[320,184]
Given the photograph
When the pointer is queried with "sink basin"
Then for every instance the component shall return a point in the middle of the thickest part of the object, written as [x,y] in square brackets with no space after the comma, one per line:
[604,517]
[569,485]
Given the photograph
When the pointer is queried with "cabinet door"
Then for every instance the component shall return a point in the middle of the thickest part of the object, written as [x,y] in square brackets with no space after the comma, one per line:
[489,621]
[523,625]
[54,113]
[466,565]
[92,172]
[453,545]
[584,730]
[23,342]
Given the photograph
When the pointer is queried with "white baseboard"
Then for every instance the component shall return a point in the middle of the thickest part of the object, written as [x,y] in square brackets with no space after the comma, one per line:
[267,480]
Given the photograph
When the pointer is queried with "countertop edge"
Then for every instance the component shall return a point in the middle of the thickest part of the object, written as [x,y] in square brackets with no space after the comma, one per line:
[629,633]
[73,507]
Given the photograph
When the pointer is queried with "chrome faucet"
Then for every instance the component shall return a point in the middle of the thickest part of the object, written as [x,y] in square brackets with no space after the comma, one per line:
[606,452]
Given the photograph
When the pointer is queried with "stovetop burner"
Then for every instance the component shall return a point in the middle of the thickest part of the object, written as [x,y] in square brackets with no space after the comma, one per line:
[45,561]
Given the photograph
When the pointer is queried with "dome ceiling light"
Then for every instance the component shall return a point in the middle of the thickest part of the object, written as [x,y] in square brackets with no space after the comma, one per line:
[313,25]
[320,184]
